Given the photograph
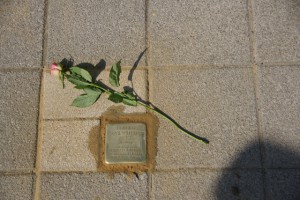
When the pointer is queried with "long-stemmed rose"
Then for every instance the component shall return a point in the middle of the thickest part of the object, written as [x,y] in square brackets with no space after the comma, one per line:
[82,80]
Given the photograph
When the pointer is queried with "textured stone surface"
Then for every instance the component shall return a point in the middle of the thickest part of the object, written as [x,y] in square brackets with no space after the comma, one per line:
[215,103]
[280,99]
[21,33]
[202,185]
[57,100]
[283,184]
[70,145]
[19,103]
[94,186]
[198,32]
[16,187]
[93,30]
[277,30]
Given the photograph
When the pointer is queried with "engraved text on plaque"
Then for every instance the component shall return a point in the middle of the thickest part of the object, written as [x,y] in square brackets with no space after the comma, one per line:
[125,143]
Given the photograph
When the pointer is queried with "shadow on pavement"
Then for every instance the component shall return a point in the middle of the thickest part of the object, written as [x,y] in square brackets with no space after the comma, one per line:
[280,180]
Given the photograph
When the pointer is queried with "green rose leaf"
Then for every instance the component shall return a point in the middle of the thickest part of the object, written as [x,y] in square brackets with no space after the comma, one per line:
[92,91]
[116,97]
[114,74]
[76,81]
[81,87]
[129,98]
[129,94]
[81,72]
[86,100]
[130,102]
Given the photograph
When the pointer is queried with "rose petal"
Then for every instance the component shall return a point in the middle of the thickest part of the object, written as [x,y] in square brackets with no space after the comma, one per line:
[53,66]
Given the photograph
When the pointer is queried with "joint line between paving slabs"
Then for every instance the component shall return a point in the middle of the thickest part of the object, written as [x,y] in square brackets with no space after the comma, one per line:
[281,64]
[147,53]
[150,186]
[39,141]
[45,34]
[259,124]
[72,119]
[147,86]
[147,44]
[166,171]
[252,40]
[20,69]
[253,51]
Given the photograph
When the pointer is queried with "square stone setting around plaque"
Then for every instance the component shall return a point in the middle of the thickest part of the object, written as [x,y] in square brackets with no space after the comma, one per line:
[125,143]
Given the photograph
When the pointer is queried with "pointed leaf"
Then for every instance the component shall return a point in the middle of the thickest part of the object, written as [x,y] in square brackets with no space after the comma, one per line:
[129,98]
[114,74]
[81,72]
[76,81]
[85,100]
[129,94]
[130,102]
[81,87]
[115,97]
[92,91]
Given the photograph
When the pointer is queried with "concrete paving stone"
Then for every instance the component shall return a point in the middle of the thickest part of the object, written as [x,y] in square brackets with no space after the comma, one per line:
[277,30]
[93,30]
[207,185]
[19,102]
[16,187]
[198,32]
[283,184]
[280,99]
[57,100]
[217,104]
[93,186]
[70,145]
[21,33]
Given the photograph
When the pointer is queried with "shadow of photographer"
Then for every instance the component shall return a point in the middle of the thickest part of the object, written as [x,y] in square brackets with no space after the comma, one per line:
[277,180]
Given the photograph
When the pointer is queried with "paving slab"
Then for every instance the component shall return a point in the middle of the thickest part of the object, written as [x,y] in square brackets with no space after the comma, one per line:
[215,103]
[283,184]
[94,30]
[280,102]
[16,187]
[203,185]
[94,186]
[198,32]
[21,33]
[277,30]
[70,145]
[19,102]
[57,100]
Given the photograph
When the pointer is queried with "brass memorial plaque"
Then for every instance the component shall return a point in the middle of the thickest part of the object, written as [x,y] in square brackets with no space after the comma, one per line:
[125,143]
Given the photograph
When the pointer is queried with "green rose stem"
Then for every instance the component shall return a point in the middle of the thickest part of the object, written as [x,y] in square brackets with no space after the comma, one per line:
[190,134]
[155,109]
[83,80]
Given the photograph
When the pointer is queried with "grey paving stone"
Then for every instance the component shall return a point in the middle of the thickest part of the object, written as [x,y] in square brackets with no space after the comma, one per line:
[198,32]
[214,103]
[280,102]
[21,33]
[57,100]
[19,101]
[94,186]
[93,30]
[208,185]
[277,30]
[70,145]
[283,184]
[16,187]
